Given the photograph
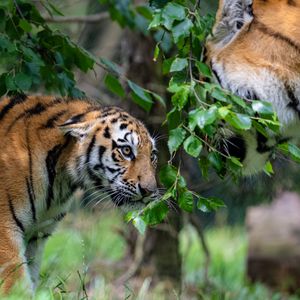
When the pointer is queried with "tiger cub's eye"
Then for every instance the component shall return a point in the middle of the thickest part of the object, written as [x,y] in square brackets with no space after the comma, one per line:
[126,151]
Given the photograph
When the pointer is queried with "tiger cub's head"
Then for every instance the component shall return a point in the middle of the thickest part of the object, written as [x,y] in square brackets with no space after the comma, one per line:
[114,154]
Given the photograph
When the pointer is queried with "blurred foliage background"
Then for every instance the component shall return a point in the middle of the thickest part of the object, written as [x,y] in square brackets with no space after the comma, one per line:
[95,254]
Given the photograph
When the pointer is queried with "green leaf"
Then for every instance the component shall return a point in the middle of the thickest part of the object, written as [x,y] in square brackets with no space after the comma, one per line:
[223,112]
[239,121]
[82,59]
[182,30]
[239,101]
[25,25]
[203,69]
[193,146]
[268,168]
[23,81]
[166,65]
[262,107]
[173,11]
[146,105]
[209,204]
[156,213]
[156,52]
[218,94]
[174,118]
[204,166]
[111,66]
[141,96]
[176,138]
[160,99]
[178,64]
[139,224]
[202,117]
[216,161]
[6,44]
[235,161]
[294,151]
[10,83]
[156,21]
[144,11]
[168,175]
[180,98]
[113,84]
[186,201]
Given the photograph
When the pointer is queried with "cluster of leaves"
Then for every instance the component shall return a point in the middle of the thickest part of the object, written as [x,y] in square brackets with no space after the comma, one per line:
[202,114]
[32,55]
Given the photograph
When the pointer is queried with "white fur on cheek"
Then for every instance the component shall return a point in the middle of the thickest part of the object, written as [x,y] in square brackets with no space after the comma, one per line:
[244,80]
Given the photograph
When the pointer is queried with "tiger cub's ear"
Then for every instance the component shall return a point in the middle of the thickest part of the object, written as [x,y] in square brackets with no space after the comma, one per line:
[77,126]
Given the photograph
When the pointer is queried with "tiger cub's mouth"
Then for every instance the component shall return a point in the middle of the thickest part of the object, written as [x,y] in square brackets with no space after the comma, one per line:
[133,201]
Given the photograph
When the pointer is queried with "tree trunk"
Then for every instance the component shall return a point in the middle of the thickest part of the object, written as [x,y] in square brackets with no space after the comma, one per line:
[161,246]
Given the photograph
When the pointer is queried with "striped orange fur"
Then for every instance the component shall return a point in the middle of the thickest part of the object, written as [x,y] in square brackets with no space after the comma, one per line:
[255,53]
[50,147]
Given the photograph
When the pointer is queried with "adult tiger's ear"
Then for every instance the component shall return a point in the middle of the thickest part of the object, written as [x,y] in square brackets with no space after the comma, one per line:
[232,15]
[77,126]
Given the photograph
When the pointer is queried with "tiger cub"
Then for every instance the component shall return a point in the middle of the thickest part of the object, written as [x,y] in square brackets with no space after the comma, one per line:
[50,147]
[255,53]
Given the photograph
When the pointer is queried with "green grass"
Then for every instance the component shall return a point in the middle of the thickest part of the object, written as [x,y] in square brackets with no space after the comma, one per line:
[87,253]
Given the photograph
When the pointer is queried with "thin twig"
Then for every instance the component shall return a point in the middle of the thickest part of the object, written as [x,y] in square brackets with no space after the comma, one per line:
[95,18]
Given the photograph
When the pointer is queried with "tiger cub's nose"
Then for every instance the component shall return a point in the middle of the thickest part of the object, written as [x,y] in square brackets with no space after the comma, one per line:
[146,191]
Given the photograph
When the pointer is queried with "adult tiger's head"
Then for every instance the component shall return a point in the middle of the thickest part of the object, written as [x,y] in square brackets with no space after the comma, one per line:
[114,154]
[255,53]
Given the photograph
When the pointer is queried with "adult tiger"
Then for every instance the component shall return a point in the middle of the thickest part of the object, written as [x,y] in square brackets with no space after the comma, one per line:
[255,53]
[50,147]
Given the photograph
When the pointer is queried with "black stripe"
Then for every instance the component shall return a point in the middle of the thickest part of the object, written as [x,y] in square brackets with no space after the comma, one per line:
[262,143]
[18,99]
[114,144]
[294,101]
[90,148]
[29,182]
[31,199]
[106,133]
[51,161]
[111,170]
[80,117]
[125,136]
[109,113]
[12,210]
[217,76]
[292,3]
[102,149]
[94,177]
[51,121]
[114,157]
[122,140]
[36,110]
[266,30]
[60,217]
[36,238]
